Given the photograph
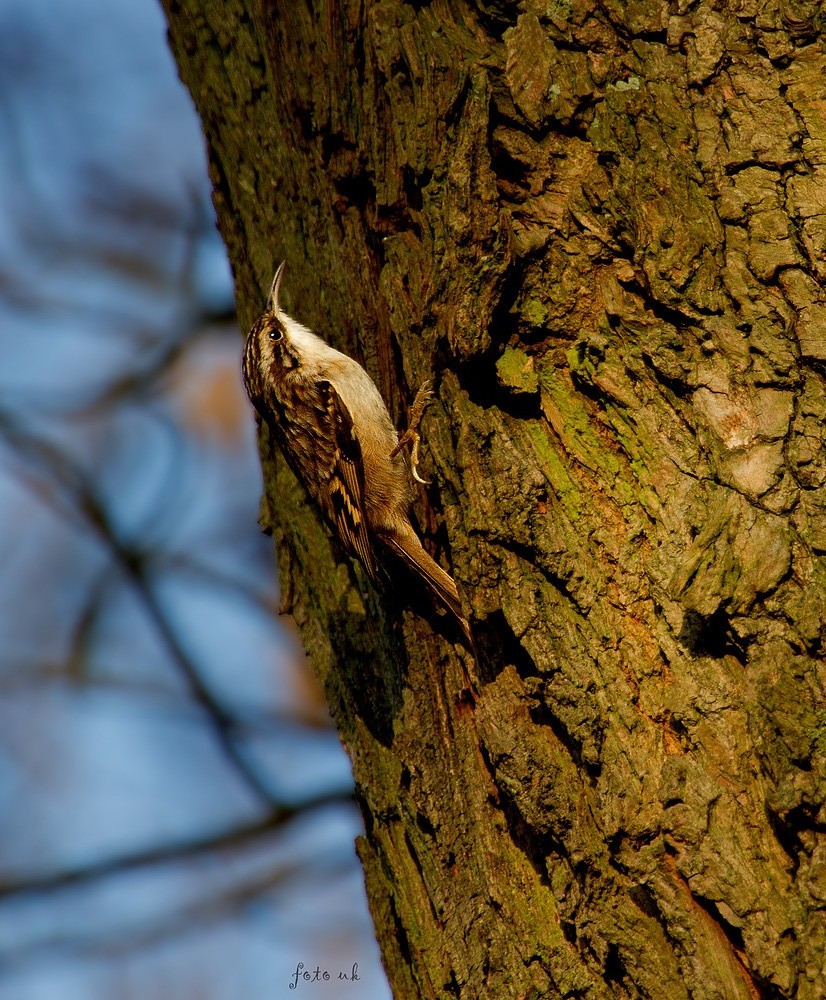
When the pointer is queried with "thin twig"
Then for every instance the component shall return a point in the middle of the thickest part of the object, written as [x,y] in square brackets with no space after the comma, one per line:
[84,503]
[234,837]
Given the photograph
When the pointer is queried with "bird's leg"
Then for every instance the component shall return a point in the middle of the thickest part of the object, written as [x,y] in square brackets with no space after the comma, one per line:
[411,435]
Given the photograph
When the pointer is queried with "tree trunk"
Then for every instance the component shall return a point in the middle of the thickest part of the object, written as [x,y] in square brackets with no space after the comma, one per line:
[599,228]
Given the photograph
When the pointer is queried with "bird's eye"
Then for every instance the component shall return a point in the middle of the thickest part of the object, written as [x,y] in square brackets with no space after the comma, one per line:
[275,334]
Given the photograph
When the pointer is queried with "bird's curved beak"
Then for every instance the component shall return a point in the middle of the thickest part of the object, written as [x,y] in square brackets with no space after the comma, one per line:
[272,301]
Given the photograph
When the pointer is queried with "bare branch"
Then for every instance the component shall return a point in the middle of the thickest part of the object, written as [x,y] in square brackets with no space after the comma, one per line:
[79,496]
[234,837]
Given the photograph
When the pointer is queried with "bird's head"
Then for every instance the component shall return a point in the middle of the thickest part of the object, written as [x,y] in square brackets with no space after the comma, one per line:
[270,343]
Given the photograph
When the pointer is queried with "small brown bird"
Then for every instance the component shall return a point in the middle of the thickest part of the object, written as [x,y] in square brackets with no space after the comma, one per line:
[332,426]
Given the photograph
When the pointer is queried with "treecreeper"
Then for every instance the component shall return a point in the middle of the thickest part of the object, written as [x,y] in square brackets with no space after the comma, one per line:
[333,428]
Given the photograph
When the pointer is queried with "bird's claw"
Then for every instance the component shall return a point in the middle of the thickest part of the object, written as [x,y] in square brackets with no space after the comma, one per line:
[411,435]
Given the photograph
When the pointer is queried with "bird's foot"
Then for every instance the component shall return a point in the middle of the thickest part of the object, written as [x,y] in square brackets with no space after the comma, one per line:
[411,435]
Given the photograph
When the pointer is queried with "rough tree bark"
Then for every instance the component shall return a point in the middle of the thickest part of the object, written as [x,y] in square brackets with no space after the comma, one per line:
[599,228]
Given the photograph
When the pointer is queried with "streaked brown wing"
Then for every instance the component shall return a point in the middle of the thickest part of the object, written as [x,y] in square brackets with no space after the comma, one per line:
[346,483]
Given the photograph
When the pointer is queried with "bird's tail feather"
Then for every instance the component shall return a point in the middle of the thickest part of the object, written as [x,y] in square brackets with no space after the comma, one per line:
[409,549]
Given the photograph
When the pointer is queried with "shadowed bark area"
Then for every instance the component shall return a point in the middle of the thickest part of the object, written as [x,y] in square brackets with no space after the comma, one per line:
[599,227]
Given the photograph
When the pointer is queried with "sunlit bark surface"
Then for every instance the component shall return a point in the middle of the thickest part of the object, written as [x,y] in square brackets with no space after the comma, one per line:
[599,229]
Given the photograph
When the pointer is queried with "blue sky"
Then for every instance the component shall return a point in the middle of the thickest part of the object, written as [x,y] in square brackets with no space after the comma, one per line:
[129,488]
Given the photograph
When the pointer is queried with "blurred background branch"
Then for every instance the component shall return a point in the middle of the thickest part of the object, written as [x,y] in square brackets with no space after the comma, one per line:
[177,811]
